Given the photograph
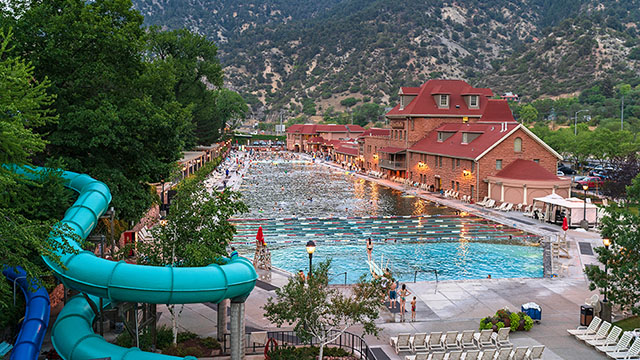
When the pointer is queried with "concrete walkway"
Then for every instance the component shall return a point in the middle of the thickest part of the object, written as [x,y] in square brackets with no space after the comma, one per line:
[457,305]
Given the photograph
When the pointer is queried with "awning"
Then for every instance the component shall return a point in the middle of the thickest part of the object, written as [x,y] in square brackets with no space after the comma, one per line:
[391,150]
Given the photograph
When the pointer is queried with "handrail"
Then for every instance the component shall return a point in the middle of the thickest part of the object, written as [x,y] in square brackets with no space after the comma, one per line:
[435,271]
[336,275]
[348,341]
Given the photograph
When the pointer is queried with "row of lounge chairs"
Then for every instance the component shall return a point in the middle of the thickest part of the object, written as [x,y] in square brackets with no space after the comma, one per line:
[451,194]
[468,345]
[376,174]
[604,338]
[519,353]
[491,204]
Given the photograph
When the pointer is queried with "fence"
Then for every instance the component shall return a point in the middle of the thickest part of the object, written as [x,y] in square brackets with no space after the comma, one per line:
[347,341]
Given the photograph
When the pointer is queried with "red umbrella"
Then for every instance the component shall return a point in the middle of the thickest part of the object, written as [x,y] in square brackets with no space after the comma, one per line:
[260,236]
[565,224]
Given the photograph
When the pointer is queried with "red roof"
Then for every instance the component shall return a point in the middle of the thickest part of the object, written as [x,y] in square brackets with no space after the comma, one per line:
[526,170]
[347,150]
[409,90]
[424,103]
[391,149]
[376,132]
[312,129]
[497,111]
[316,140]
[490,134]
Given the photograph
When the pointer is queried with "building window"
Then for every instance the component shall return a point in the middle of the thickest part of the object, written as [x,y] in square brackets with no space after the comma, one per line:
[499,164]
[413,125]
[457,162]
[453,163]
[440,161]
[400,134]
[465,138]
[444,100]
[473,101]
[453,185]
[435,161]
[517,145]
[473,166]
[440,136]
[537,161]
[457,186]
[471,191]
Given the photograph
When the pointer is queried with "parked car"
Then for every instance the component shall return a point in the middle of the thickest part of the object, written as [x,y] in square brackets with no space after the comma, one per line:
[592,181]
[559,173]
[577,178]
[567,170]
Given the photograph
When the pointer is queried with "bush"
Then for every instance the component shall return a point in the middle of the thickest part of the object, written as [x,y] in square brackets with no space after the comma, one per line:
[211,343]
[515,321]
[528,323]
[499,325]
[305,353]
[182,350]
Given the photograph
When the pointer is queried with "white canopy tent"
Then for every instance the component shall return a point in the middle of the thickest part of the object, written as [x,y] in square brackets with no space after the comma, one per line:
[555,207]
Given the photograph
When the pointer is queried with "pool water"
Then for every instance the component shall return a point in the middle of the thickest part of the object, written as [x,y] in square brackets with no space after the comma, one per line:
[339,211]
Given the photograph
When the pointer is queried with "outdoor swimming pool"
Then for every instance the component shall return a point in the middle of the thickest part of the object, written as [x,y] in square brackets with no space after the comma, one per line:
[340,211]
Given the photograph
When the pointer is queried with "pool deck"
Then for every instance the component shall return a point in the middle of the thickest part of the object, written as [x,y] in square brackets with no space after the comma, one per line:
[456,305]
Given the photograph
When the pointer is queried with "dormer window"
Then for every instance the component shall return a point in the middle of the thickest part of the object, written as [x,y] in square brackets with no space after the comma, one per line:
[473,101]
[444,135]
[444,100]
[468,137]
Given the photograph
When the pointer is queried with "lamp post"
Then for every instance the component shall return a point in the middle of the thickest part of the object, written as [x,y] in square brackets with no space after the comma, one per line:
[584,223]
[607,243]
[575,121]
[311,247]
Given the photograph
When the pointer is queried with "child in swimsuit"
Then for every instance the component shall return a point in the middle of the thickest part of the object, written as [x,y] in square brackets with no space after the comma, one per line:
[413,309]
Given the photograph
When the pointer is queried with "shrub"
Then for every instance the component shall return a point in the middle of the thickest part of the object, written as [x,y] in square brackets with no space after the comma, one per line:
[182,350]
[515,321]
[500,325]
[304,353]
[211,343]
[528,323]
[187,335]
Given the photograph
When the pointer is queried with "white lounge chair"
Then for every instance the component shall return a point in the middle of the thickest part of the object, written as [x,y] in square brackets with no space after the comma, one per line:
[622,344]
[454,355]
[470,355]
[535,352]
[465,340]
[611,339]
[509,207]
[401,342]
[488,354]
[490,203]
[434,341]
[632,353]
[484,201]
[419,342]
[501,339]
[602,332]
[451,341]
[585,330]
[501,206]
[519,206]
[418,356]
[483,339]
[519,353]
[503,354]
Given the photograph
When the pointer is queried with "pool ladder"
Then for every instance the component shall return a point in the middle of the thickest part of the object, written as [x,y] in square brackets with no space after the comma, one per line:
[435,271]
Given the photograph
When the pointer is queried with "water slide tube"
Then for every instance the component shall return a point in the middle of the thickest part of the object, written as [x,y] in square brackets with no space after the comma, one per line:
[72,334]
[36,316]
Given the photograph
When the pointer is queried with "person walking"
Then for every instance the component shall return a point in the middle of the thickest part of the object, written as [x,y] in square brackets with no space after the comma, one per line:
[404,294]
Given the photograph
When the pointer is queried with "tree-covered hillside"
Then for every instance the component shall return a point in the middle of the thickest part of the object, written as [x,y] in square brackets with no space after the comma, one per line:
[332,50]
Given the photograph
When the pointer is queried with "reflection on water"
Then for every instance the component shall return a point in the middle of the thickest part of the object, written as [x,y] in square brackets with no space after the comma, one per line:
[303,189]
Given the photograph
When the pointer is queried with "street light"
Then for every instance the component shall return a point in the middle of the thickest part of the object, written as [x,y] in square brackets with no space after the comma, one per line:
[575,121]
[584,223]
[311,247]
[607,243]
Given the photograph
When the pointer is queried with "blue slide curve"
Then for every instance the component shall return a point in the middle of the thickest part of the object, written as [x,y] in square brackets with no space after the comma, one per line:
[72,334]
[36,315]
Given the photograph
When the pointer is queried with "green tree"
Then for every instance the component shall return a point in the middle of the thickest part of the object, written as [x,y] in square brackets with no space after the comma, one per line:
[27,221]
[622,280]
[197,229]
[116,120]
[366,113]
[349,102]
[528,114]
[322,312]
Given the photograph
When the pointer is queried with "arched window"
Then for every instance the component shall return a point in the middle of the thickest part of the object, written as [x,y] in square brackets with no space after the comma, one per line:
[517,145]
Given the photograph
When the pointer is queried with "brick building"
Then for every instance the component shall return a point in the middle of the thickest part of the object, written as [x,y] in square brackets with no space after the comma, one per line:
[310,137]
[450,135]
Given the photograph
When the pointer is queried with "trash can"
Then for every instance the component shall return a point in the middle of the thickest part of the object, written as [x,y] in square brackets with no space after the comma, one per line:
[586,315]
[533,310]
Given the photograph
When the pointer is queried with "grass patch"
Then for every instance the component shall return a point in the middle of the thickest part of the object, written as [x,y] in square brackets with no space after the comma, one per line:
[629,323]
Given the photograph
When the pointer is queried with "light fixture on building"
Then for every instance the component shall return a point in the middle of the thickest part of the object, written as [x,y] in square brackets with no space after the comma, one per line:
[375,156]
[421,164]
[466,172]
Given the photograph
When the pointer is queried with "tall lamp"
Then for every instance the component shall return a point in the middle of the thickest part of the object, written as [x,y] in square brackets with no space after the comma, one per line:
[584,223]
[607,243]
[311,247]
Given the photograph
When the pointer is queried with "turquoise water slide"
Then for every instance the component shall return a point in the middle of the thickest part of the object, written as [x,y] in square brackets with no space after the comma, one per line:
[72,334]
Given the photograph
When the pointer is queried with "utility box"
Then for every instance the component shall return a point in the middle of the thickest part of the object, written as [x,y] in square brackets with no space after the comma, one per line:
[586,315]
[130,238]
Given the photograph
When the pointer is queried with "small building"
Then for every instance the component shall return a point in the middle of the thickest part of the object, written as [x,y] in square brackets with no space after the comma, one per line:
[300,135]
[509,96]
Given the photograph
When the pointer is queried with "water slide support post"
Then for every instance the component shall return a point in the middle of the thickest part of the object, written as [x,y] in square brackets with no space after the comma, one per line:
[222,319]
[237,330]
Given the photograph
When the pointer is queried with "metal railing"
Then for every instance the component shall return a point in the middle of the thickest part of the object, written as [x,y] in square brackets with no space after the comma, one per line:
[393,165]
[435,271]
[352,343]
[333,276]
